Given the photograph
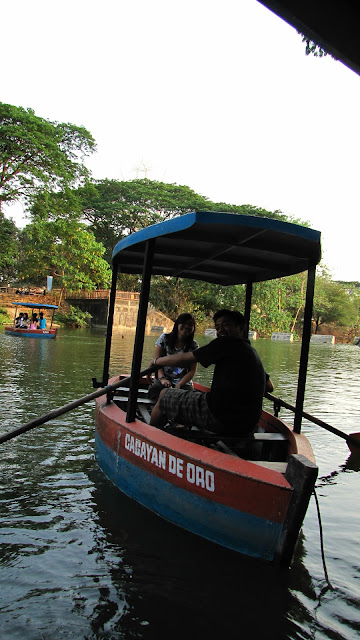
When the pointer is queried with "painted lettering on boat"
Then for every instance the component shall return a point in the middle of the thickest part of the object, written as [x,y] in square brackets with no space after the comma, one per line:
[193,473]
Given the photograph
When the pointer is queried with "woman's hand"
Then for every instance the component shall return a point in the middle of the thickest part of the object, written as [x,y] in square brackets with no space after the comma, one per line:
[165,382]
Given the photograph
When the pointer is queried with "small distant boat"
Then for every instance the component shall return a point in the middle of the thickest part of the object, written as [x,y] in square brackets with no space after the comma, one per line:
[26,332]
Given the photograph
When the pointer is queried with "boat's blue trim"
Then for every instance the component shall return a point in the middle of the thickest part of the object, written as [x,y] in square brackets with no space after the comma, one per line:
[35,305]
[218,523]
[30,334]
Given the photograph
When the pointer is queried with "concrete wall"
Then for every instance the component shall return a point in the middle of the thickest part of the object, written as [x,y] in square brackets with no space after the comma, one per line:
[125,312]
[125,316]
[284,337]
[323,339]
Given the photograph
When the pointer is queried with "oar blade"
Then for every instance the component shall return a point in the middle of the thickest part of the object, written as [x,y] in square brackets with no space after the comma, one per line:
[353,446]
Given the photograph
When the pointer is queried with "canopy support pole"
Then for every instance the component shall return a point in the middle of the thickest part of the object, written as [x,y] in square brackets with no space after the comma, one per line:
[52,317]
[140,330]
[306,335]
[249,288]
[109,329]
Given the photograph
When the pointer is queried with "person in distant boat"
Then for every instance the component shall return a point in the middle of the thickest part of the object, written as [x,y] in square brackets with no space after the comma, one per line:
[179,340]
[42,321]
[24,321]
[33,320]
[233,405]
[19,320]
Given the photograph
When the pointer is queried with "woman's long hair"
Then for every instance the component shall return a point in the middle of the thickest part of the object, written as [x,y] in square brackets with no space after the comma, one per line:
[172,336]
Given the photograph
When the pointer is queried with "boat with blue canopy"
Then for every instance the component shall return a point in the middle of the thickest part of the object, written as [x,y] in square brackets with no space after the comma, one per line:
[22,329]
[246,494]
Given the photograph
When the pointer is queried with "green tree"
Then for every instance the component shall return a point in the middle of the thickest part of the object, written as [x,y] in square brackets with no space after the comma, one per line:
[113,210]
[313,48]
[173,296]
[37,153]
[269,311]
[68,251]
[116,209]
[332,303]
[9,249]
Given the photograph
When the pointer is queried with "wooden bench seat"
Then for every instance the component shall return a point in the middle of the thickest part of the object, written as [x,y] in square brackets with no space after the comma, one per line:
[141,392]
[125,399]
[275,466]
[268,437]
[196,434]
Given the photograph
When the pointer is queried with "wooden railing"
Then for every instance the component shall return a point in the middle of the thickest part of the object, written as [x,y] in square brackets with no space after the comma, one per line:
[101,294]
[14,293]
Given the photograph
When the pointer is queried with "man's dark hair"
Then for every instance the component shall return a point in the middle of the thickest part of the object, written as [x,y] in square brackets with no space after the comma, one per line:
[235,316]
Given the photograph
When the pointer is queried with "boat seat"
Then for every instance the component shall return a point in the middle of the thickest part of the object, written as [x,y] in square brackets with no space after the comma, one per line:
[143,408]
[141,392]
[126,398]
[266,436]
[275,466]
[264,446]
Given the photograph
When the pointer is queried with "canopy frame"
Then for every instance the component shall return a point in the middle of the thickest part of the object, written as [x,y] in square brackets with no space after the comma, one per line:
[215,247]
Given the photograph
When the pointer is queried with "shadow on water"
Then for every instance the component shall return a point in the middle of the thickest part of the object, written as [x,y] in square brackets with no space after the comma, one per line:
[175,583]
[351,464]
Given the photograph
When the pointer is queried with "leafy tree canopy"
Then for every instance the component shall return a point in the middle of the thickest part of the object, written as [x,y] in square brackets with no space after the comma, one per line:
[332,303]
[173,296]
[112,210]
[313,48]
[37,153]
[9,249]
[68,251]
[115,209]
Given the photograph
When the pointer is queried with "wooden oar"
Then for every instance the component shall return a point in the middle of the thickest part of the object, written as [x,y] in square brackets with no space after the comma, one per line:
[353,440]
[68,407]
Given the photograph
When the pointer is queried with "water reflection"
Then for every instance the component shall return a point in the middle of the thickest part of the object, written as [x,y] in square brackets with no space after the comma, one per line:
[174,582]
[81,560]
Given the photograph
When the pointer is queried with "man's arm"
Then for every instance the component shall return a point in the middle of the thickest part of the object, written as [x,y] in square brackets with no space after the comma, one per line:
[184,359]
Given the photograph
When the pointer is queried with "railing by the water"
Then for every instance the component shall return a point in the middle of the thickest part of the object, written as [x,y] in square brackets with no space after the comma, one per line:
[100,294]
[15,293]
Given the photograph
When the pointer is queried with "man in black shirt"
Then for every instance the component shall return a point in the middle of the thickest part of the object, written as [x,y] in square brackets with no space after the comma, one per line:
[234,403]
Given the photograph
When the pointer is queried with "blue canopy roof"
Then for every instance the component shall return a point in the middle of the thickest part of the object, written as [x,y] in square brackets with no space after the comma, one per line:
[35,305]
[222,248]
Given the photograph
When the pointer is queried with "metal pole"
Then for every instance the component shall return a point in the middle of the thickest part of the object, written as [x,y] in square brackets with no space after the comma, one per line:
[249,286]
[110,321]
[304,349]
[140,329]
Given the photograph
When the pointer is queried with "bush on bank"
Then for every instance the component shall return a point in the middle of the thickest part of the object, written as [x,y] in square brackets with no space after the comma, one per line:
[73,317]
[4,316]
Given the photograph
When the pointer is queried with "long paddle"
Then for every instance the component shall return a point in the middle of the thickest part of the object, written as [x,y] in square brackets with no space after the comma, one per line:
[353,440]
[68,407]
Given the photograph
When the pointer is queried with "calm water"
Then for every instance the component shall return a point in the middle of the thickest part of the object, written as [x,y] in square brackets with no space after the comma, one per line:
[79,560]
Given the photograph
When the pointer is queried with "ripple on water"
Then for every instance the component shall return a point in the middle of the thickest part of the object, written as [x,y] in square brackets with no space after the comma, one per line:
[80,560]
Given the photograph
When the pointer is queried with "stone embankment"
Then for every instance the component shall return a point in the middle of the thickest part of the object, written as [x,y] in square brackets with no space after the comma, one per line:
[96,303]
[6,300]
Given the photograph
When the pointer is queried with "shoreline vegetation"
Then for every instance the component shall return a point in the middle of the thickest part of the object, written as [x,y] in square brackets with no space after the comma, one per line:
[71,316]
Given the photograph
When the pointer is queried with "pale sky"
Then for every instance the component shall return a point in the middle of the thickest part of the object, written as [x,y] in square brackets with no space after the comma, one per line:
[216,96]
